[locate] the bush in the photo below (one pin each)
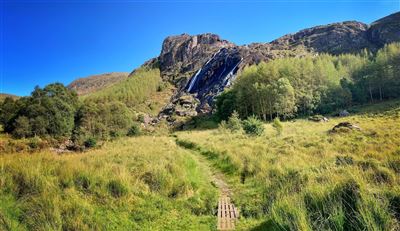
(253, 126)
(234, 122)
(134, 130)
(90, 142)
(277, 125)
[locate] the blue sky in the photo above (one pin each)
(59, 41)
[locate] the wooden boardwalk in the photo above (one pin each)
(227, 214)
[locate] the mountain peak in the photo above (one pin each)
(184, 53)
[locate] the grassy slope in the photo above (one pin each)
(143, 91)
(307, 178)
(304, 179)
(129, 184)
(96, 83)
(4, 95)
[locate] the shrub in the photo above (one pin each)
(90, 142)
(253, 126)
(82, 181)
(277, 125)
(134, 130)
(382, 175)
(234, 122)
(394, 204)
(116, 188)
(22, 127)
(162, 86)
(36, 143)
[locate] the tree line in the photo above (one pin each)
(56, 112)
(324, 83)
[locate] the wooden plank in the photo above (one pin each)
(226, 214)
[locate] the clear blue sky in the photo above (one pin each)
(48, 41)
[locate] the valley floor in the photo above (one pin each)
(306, 178)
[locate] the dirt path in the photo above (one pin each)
(227, 212)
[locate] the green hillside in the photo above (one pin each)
(142, 91)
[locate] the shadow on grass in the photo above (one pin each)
(198, 123)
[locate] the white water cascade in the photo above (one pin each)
(193, 80)
(227, 78)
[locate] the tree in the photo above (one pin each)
(8, 111)
(285, 104)
(225, 104)
(234, 122)
(48, 111)
(101, 120)
(22, 127)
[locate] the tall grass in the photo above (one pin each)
(310, 179)
(130, 184)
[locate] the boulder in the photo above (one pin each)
(345, 126)
(318, 118)
(344, 113)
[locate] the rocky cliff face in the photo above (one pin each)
(203, 65)
(336, 38)
(181, 55)
(385, 30)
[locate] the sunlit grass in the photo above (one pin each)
(305, 177)
(144, 183)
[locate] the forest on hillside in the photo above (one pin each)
(289, 87)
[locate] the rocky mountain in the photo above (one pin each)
(385, 30)
(94, 83)
(202, 66)
(213, 63)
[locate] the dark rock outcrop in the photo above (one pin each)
(385, 30)
(216, 74)
(183, 54)
(336, 38)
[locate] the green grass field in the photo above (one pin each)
(308, 178)
(305, 178)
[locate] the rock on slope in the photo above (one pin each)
(94, 83)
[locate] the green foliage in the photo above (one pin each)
(277, 125)
(234, 122)
(291, 86)
(117, 188)
(90, 142)
(102, 121)
(22, 128)
(134, 90)
(48, 111)
(225, 104)
(134, 130)
(253, 126)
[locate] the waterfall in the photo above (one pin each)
(194, 78)
(230, 74)
(193, 81)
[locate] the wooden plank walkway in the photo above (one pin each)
(227, 214)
